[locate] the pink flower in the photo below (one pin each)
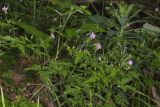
(92, 35)
(98, 46)
(130, 62)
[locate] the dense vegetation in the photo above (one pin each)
(65, 53)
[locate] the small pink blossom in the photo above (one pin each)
(92, 35)
(98, 46)
(130, 62)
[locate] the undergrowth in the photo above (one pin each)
(59, 54)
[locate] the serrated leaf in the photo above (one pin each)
(80, 56)
(113, 72)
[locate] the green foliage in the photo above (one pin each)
(76, 59)
(32, 30)
(151, 27)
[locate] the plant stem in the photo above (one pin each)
(93, 7)
(90, 103)
(58, 45)
(69, 15)
(34, 10)
(57, 52)
(2, 97)
(38, 102)
(121, 32)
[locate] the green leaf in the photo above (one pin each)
(34, 68)
(8, 38)
(128, 87)
(92, 79)
(123, 20)
(82, 9)
(109, 105)
(91, 27)
(125, 81)
(59, 67)
(71, 32)
(80, 56)
(3, 24)
(150, 27)
(156, 61)
(114, 72)
(22, 48)
(97, 18)
(54, 2)
(32, 30)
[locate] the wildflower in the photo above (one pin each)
(98, 46)
(5, 9)
(55, 19)
(107, 7)
(92, 35)
(111, 64)
(52, 35)
(156, 9)
(128, 25)
(130, 62)
(118, 86)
